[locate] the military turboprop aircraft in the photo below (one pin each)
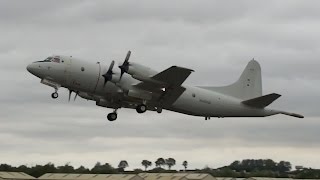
(136, 86)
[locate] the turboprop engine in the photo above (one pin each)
(140, 72)
(137, 71)
(111, 75)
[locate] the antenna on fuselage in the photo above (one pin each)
(70, 92)
(75, 96)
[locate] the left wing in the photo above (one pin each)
(173, 76)
(167, 84)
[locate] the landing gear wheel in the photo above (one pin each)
(54, 95)
(141, 108)
(112, 116)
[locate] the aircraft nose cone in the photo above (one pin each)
(35, 69)
(29, 68)
(32, 69)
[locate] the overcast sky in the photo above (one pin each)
(215, 38)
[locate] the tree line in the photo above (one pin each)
(244, 168)
(159, 163)
(99, 168)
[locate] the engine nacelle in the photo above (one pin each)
(138, 70)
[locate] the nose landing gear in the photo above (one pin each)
(53, 84)
(54, 95)
(112, 116)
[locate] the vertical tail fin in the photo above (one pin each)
(248, 86)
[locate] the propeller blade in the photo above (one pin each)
(111, 66)
(108, 75)
(125, 66)
(122, 72)
(127, 57)
(105, 79)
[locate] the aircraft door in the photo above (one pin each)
(67, 72)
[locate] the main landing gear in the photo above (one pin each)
(159, 110)
(112, 116)
(141, 108)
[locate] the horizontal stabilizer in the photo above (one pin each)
(262, 101)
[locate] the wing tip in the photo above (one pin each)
(191, 70)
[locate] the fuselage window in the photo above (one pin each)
(82, 68)
(193, 95)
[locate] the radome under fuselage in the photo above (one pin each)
(85, 78)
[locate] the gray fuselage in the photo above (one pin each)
(85, 78)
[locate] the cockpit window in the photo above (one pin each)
(51, 59)
(56, 59)
(47, 60)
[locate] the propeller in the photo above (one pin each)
(125, 66)
(108, 75)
